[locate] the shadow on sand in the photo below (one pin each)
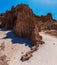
(3, 29)
(15, 39)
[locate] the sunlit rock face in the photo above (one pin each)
(26, 25)
(47, 22)
(9, 19)
(21, 12)
(2, 20)
(23, 22)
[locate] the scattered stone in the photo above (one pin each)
(25, 57)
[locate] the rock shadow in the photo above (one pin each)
(3, 29)
(15, 39)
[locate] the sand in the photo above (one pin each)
(45, 55)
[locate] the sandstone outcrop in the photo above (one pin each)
(25, 24)
(22, 20)
(47, 22)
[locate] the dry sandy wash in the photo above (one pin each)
(45, 55)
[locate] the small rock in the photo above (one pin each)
(25, 57)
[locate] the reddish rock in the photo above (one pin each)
(26, 26)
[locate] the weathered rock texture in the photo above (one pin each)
(22, 20)
(9, 19)
(47, 22)
(2, 20)
(25, 24)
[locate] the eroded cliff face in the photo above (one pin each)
(25, 24)
(47, 22)
(2, 20)
(10, 18)
(21, 19)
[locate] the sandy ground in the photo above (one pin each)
(45, 55)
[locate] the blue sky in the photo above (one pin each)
(39, 7)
